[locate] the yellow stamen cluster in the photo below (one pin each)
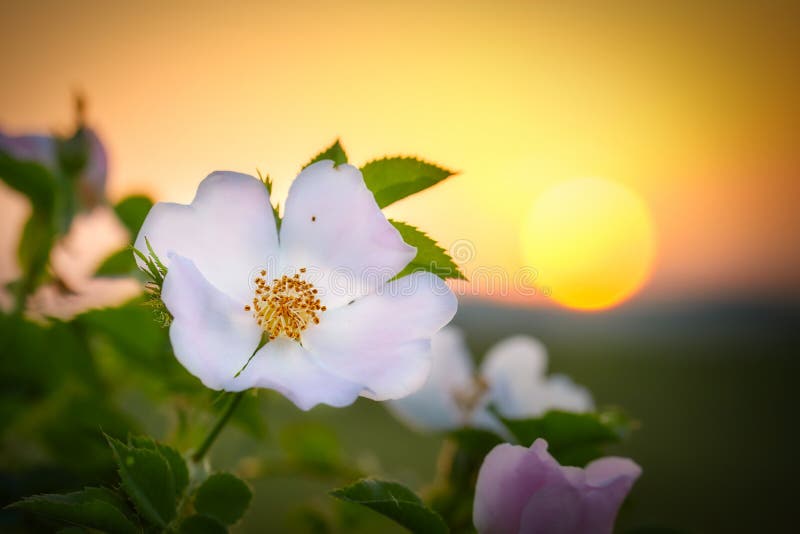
(285, 306)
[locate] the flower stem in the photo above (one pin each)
(220, 424)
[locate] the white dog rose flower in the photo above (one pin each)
(511, 378)
(320, 292)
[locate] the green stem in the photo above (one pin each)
(221, 422)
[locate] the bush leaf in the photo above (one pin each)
(148, 481)
(132, 210)
(177, 465)
(334, 152)
(394, 501)
(572, 438)
(96, 508)
(430, 256)
(120, 263)
(391, 179)
(223, 497)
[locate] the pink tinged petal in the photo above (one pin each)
(382, 341)
(285, 366)
(333, 226)
(525, 491)
(508, 478)
(211, 334)
(228, 231)
(608, 482)
(554, 509)
(514, 369)
(433, 407)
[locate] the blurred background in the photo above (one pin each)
(627, 192)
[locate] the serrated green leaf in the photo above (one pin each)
(177, 465)
(201, 524)
(132, 211)
(96, 508)
(391, 179)
(180, 471)
(120, 263)
(334, 152)
(572, 438)
(430, 256)
(148, 481)
(224, 497)
(394, 501)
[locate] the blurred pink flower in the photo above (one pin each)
(44, 150)
(523, 490)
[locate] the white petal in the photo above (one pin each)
(382, 341)
(333, 226)
(228, 231)
(564, 394)
(212, 336)
(433, 407)
(514, 369)
(285, 366)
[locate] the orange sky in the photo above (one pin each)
(694, 108)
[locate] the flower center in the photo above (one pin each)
(469, 398)
(286, 306)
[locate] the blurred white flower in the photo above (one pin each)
(319, 290)
(511, 378)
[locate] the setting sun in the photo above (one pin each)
(591, 241)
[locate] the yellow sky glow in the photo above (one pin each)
(692, 107)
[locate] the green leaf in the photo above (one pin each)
(96, 508)
(267, 181)
(120, 263)
(572, 438)
(201, 524)
(430, 256)
(32, 180)
(334, 152)
(223, 497)
(394, 501)
(476, 441)
(391, 179)
(148, 481)
(177, 465)
(132, 210)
